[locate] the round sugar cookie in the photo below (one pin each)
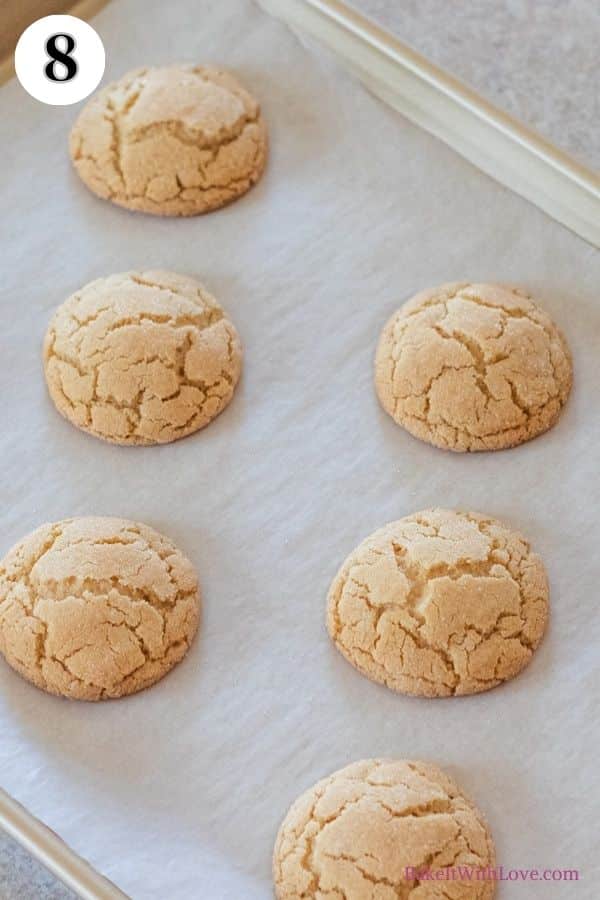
(94, 608)
(439, 603)
(366, 831)
(472, 367)
(141, 357)
(173, 141)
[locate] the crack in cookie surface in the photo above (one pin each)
(141, 358)
(354, 834)
(178, 141)
(473, 367)
(439, 603)
(94, 608)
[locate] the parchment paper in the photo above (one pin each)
(178, 792)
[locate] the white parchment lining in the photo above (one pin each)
(178, 792)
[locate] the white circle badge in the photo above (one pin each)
(59, 60)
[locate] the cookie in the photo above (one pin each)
(173, 141)
(94, 608)
(360, 832)
(472, 367)
(439, 603)
(141, 358)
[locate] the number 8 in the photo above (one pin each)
(60, 56)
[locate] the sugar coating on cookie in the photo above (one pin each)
(472, 367)
(94, 608)
(358, 833)
(174, 141)
(141, 357)
(439, 603)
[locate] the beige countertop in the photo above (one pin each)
(535, 59)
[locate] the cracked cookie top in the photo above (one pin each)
(357, 834)
(174, 141)
(93, 608)
(141, 357)
(439, 603)
(472, 367)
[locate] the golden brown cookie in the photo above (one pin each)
(439, 603)
(94, 608)
(358, 834)
(141, 357)
(174, 141)
(472, 367)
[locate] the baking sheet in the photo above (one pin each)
(489, 138)
(178, 792)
